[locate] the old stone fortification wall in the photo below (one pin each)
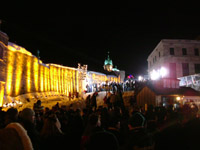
(24, 73)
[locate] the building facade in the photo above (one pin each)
(179, 58)
(21, 72)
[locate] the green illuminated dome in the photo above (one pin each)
(108, 65)
(108, 61)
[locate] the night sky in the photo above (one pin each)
(73, 35)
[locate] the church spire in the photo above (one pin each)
(108, 65)
(108, 58)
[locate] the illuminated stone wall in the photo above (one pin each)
(21, 73)
(96, 77)
(2, 84)
(24, 73)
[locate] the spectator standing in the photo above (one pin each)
(38, 108)
(88, 101)
(137, 136)
(27, 119)
(94, 100)
(11, 116)
(51, 134)
(14, 137)
(91, 128)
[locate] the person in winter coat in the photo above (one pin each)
(27, 120)
(51, 134)
(14, 137)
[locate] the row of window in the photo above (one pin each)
(184, 51)
(171, 50)
(155, 59)
(185, 69)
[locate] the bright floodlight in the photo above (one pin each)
(155, 75)
(178, 98)
(163, 71)
(140, 78)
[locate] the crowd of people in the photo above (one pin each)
(111, 126)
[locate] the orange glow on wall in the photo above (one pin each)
(48, 80)
(24, 73)
(16, 48)
(77, 79)
(36, 73)
(45, 79)
(74, 81)
(67, 82)
(9, 76)
(28, 71)
(71, 80)
(62, 80)
(51, 79)
(2, 84)
(55, 79)
(41, 79)
(18, 73)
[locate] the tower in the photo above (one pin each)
(108, 65)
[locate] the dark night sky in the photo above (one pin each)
(71, 35)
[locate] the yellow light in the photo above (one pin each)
(33, 76)
(74, 80)
(71, 80)
(16, 48)
(18, 72)
(9, 76)
(77, 77)
(48, 79)
(2, 84)
(67, 81)
(178, 98)
(59, 83)
(45, 79)
(51, 78)
(64, 81)
(35, 71)
(55, 79)
(41, 79)
(61, 80)
(93, 76)
(28, 71)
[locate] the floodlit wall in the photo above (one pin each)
(24, 73)
(96, 77)
(2, 84)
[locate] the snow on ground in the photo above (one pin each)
(50, 99)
